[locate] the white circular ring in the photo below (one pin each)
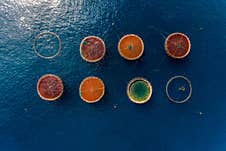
(190, 87)
(47, 57)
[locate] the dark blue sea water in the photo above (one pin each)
(29, 124)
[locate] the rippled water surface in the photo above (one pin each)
(28, 123)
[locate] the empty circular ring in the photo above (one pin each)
(190, 87)
(36, 41)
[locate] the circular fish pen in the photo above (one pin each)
(50, 87)
(92, 89)
(47, 45)
(131, 47)
(182, 89)
(92, 49)
(177, 45)
(139, 90)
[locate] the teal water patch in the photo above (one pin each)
(139, 90)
